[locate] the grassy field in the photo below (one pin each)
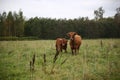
(96, 61)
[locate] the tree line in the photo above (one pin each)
(14, 24)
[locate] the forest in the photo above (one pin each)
(14, 24)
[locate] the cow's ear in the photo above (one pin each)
(68, 34)
(75, 33)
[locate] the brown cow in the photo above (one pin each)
(61, 43)
(75, 41)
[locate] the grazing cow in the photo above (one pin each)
(75, 41)
(61, 43)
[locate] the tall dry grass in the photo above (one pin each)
(97, 60)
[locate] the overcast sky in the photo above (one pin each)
(69, 9)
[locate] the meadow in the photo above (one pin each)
(98, 59)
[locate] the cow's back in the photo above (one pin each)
(77, 39)
(75, 44)
(58, 41)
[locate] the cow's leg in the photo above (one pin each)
(57, 49)
(78, 48)
(72, 51)
(65, 49)
(61, 49)
(75, 51)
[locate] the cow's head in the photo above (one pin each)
(71, 35)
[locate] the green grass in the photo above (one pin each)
(94, 61)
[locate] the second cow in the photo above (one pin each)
(61, 44)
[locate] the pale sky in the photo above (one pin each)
(68, 9)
